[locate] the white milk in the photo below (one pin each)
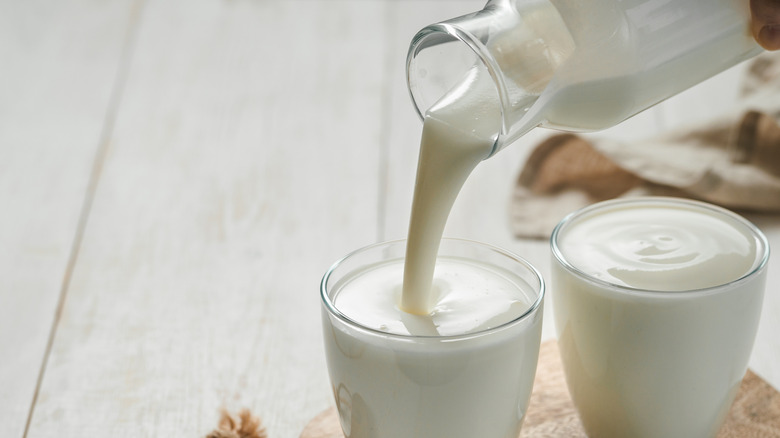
(662, 248)
(438, 382)
(653, 343)
(469, 297)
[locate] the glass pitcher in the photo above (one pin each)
(578, 65)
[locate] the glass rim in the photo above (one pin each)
(531, 310)
(757, 234)
(479, 50)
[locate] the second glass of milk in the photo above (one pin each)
(464, 370)
(656, 302)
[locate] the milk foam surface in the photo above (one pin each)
(469, 297)
(659, 248)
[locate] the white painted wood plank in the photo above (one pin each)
(243, 163)
(58, 66)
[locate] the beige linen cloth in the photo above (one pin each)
(732, 160)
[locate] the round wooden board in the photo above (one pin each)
(551, 414)
(324, 425)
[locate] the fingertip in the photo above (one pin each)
(769, 37)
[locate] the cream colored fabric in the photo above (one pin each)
(732, 160)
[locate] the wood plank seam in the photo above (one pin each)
(112, 109)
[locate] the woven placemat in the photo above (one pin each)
(754, 414)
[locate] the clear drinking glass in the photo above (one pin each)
(660, 362)
(471, 385)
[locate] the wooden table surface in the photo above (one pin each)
(176, 176)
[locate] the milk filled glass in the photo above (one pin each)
(465, 369)
(656, 303)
